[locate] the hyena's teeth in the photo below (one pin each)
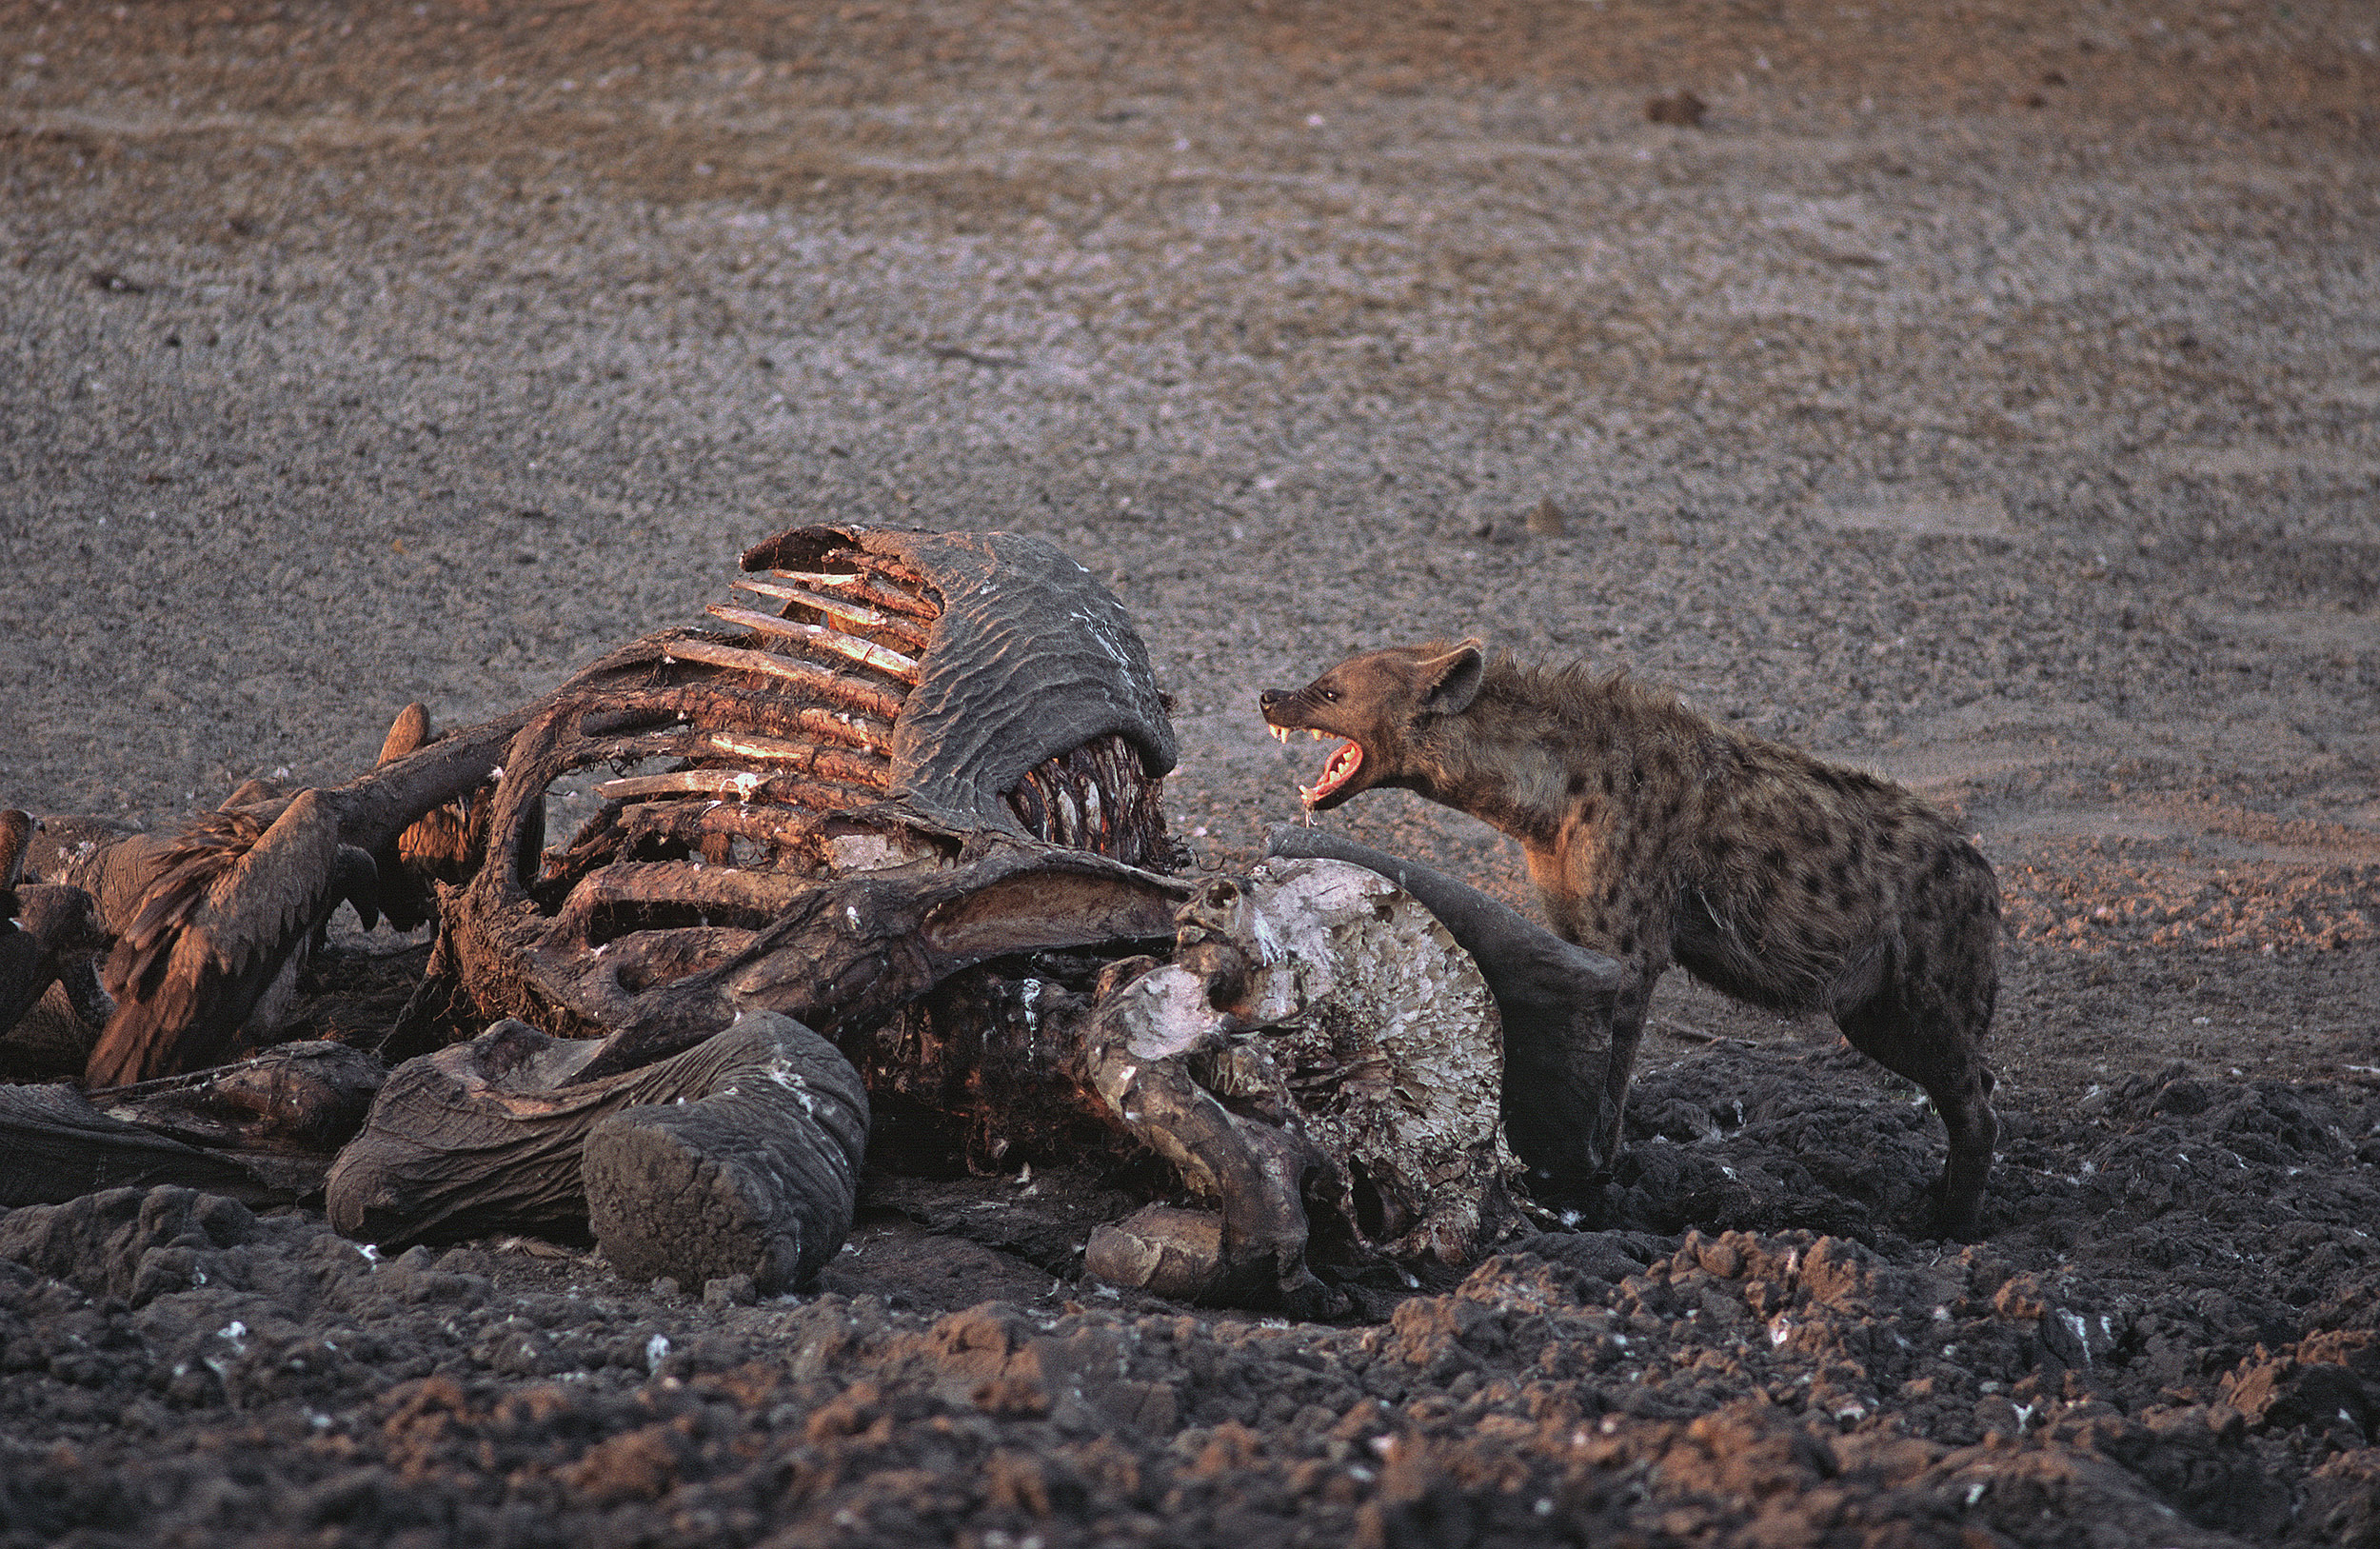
(1318, 736)
(1280, 734)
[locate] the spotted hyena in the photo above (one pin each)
(1658, 836)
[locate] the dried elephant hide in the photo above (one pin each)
(740, 1155)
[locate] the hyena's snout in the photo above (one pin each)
(1286, 710)
(1292, 709)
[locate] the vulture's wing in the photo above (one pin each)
(114, 864)
(408, 733)
(232, 901)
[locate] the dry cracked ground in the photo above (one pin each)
(1987, 395)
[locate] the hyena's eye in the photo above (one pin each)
(1330, 696)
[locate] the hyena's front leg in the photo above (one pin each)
(1642, 953)
(1627, 1032)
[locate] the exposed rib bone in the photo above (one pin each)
(775, 826)
(850, 612)
(837, 763)
(845, 729)
(791, 669)
(824, 637)
(737, 785)
(741, 898)
(834, 763)
(859, 583)
(790, 836)
(728, 785)
(718, 706)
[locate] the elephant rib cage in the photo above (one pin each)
(745, 763)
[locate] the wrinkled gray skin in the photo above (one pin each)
(1556, 1000)
(739, 1156)
(1031, 656)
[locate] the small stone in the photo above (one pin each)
(1466, 524)
(730, 1291)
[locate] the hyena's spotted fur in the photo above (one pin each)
(1658, 836)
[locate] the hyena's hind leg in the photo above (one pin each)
(1961, 1091)
(1926, 1019)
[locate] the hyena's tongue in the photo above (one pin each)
(1337, 770)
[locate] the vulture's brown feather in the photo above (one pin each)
(233, 900)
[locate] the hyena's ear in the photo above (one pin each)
(1450, 682)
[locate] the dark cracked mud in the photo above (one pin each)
(1982, 394)
(2171, 1336)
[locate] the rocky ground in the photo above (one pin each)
(1986, 396)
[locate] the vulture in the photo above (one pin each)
(49, 933)
(210, 924)
(236, 899)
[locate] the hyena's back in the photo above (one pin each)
(1807, 887)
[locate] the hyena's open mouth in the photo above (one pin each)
(1337, 770)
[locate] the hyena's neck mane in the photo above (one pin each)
(1537, 739)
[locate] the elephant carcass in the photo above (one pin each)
(932, 751)
(891, 697)
(919, 751)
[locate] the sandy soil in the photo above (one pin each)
(1988, 396)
